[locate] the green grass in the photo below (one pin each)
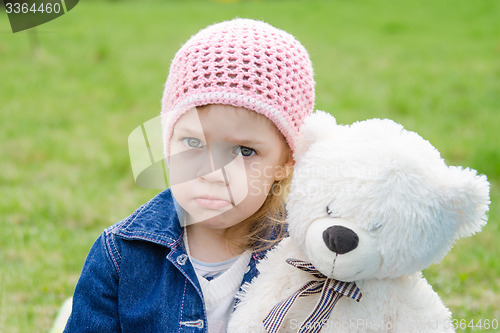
(68, 103)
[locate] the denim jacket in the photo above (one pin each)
(137, 277)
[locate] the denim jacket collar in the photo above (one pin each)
(155, 221)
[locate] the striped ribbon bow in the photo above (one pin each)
(331, 291)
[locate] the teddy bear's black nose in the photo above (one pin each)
(340, 239)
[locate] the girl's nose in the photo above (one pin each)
(216, 176)
(219, 156)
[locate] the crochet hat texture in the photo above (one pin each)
(243, 63)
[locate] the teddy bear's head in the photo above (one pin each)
(373, 200)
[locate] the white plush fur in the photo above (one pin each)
(390, 187)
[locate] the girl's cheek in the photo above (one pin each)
(255, 170)
(259, 188)
(237, 176)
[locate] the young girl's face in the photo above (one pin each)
(223, 161)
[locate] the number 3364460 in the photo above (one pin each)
(485, 324)
(25, 8)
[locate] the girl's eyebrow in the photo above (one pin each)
(189, 130)
(242, 141)
(247, 142)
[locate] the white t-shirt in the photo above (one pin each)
(219, 283)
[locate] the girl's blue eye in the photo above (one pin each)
(192, 142)
(244, 151)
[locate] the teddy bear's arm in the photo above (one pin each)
(420, 309)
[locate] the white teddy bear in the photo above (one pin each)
(371, 204)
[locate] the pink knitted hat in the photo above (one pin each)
(244, 63)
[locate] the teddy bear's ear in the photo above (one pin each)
(317, 125)
(468, 197)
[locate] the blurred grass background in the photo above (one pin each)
(73, 89)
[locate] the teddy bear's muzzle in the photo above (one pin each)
(340, 239)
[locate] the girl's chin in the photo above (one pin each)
(214, 221)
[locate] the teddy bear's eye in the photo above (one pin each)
(332, 212)
(376, 226)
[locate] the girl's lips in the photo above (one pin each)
(212, 203)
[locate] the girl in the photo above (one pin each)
(234, 100)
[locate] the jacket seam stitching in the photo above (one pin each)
(200, 291)
(116, 249)
(110, 252)
(182, 304)
(154, 240)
